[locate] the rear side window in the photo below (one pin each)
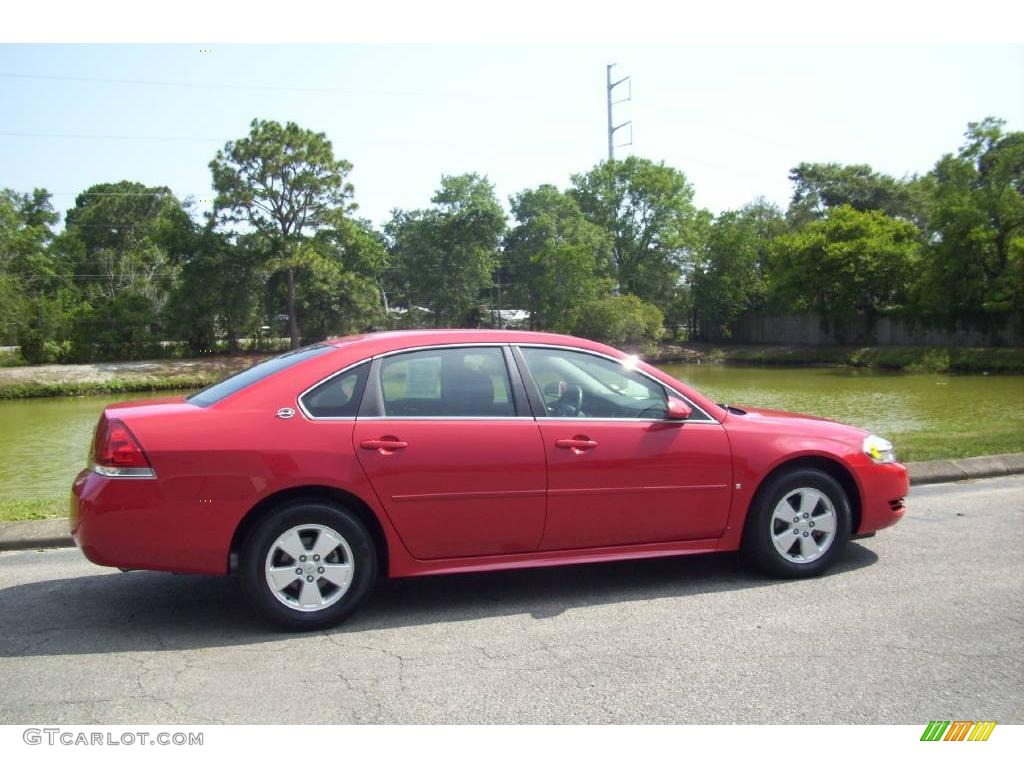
(338, 397)
(463, 381)
(249, 376)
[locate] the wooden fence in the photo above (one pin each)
(764, 328)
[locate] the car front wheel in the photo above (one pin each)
(308, 565)
(799, 524)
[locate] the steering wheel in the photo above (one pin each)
(571, 401)
(652, 411)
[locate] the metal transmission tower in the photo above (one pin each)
(612, 128)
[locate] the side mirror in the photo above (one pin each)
(677, 410)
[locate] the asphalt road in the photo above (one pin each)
(922, 622)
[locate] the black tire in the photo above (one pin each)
(760, 528)
(264, 537)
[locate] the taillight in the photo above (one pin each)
(117, 453)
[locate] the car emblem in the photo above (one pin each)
(285, 413)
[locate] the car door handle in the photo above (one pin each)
(384, 444)
(577, 444)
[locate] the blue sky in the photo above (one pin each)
(734, 118)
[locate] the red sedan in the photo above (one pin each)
(422, 452)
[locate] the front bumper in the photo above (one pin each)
(883, 487)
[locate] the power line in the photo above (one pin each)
(120, 137)
(114, 194)
(104, 136)
(238, 86)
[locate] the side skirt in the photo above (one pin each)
(553, 558)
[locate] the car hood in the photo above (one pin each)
(786, 421)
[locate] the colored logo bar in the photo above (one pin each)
(958, 730)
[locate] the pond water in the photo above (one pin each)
(44, 441)
(925, 415)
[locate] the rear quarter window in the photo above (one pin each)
(339, 396)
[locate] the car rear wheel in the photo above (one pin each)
(308, 565)
(798, 525)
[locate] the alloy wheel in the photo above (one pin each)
(309, 567)
(803, 525)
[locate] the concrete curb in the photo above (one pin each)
(952, 470)
(45, 534)
(36, 534)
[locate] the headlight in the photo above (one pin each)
(879, 449)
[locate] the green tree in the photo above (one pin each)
(285, 182)
(848, 264)
(974, 272)
(621, 321)
(731, 278)
(820, 187)
(656, 230)
(121, 245)
(555, 259)
(444, 257)
(118, 329)
(27, 271)
(341, 289)
(124, 237)
(218, 290)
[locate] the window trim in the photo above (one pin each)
(537, 401)
(530, 390)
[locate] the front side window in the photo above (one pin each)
(577, 384)
(337, 397)
(460, 381)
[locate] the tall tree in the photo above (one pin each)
(218, 290)
(731, 279)
(848, 264)
(974, 272)
(446, 255)
(28, 279)
(656, 230)
(340, 292)
(26, 229)
(285, 182)
(819, 187)
(556, 260)
(124, 237)
(121, 245)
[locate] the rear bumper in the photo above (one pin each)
(883, 490)
(128, 523)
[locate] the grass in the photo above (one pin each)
(923, 446)
(9, 359)
(33, 509)
(907, 359)
(22, 389)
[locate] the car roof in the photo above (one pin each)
(386, 340)
(353, 349)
